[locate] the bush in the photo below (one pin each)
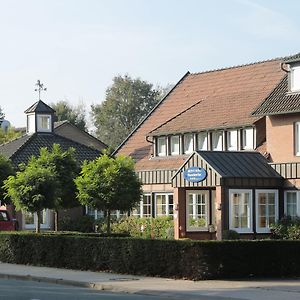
(159, 227)
(81, 224)
(166, 258)
(286, 229)
(230, 235)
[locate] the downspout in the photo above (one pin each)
(152, 148)
(282, 67)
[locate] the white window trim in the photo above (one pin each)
(192, 229)
(175, 152)
(206, 140)
(186, 151)
(228, 133)
(297, 138)
(241, 230)
(262, 229)
(39, 125)
(292, 71)
(165, 140)
(297, 201)
(244, 146)
(167, 204)
(221, 135)
(33, 225)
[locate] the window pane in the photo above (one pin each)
(202, 141)
(295, 79)
(175, 145)
(240, 210)
(188, 143)
(248, 138)
(217, 141)
(266, 209)
(161, 146)
(170, 204)
(291, 204)
(232, 140)
(197, 216)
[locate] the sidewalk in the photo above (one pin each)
(175, 289)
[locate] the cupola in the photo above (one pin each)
(40, 118)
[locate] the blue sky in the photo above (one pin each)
(76, 47)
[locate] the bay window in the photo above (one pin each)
(202, 141)
(240, 210)
(188, 143)
(266, 209)
(197, 210)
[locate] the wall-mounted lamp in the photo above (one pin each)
(219, 206)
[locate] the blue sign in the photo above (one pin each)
(195, 174)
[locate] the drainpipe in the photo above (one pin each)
(282, 67)
(152, 148)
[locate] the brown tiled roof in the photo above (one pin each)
(280, 101)
(226, 98)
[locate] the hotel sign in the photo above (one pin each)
(195, 174)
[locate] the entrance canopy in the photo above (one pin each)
(213, 168)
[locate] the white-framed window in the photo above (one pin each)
(295, 78)
(30, 219)
(96, 214)
(297, 138)
(240, 210)
(162, 146)
(232, 140)
(197, 210)
(188, 143)
(31, 123)
(163, 204)
(44, 123)
(248, 138)
(266, 209)
(291, 204)
(217, 140)
(144, 209)
(202, 141)
(175, 145)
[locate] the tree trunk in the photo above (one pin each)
(108, 221)
(56, 220)
(38, 223)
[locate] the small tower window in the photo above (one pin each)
(44, 123)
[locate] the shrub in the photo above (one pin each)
(159, 227)
(166, 258)
(286, 229)
(81, 224)
(230, 235)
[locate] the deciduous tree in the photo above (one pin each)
(109, 184)
(6, 169)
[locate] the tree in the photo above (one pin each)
(76, 115)
(127, 102)
(9, 135)
(2, 115)
(66, 169)
(109, 184)
(32, 189)
(6, 169)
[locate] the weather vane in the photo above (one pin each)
(40, 87)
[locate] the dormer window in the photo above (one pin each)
(217, 140)
(161, 146)
(44, 123)
(248, 139)
(174, 140)
(232, 140)
(295, 78)
(202, 141)
(188, 143)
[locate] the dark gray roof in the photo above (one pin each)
(39, 107)
(280, 101)
(292, 58)
(239, 164)
(21, 149)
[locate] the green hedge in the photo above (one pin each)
(179, 259)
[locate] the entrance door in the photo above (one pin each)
(197, 210)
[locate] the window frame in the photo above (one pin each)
(244, 139)
(297, 138)
(297, 202)
(185, 151)
(221, 135)
(171, 139)
(228, 138)
(139, 210)
(207, 210)
(293, 68)
(205, 140)
(158, 139)
(249, 229)
(258, 191)
(45, 225)
(167, 204)
(40, 122)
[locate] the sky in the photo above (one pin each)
(76, 47)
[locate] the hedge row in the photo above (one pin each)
(179, 259)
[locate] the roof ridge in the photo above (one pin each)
(241, 65)
(176, 116)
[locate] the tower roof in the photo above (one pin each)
(39, 107)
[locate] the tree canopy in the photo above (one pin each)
(6, 169)
(109, 184)
(2, 115)
(32, 189)
(76, 115)
(9, 135)
(127, 102)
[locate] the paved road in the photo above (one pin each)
(30, 290)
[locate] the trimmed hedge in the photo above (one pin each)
(166, 258)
